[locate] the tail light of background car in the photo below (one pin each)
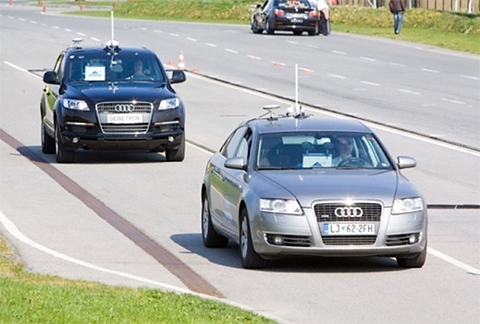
(279, 12)
(313, 14)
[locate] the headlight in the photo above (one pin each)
(407, 205)
(169, 104)
(280, 206)
(75, 104)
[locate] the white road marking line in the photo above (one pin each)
(453, 101)
(23, 19)
(158, 31)
(191, 39)
(254, 57)
(81, 34)
(67, 30)
(430, 70)
(396, 64)
(409, 91)
(95, 39)
(338, 52)
(469, 77)
(172, 34)
(20, 69)
(231, 51)
(314, 47)
(336, 76)
(210, 44)
(292, 42)
(55, 27)
(368, 58)
(12, 229)
(33, 22)
(453, 261)
(370, 83)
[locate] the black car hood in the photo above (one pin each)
(120, 91)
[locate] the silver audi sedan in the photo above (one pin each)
(299, 185)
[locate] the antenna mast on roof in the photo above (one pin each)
(112, 42)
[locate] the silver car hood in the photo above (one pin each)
(311, 185)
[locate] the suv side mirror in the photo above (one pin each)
(178, 76)
(50, 77)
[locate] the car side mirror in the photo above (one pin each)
(237, 163)
(404, 162)
(178, 76)
(50, 77)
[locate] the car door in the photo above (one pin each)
(52, 92)
(226, 185)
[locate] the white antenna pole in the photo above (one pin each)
(111, 18)
(296, 89)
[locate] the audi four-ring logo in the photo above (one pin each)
(348, 212)
(124, 108)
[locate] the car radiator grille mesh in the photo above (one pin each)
(349, 240)
(332, 212)
(371, 212)
(144, 109)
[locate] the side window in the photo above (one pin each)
(59, 67)
(245, 145)
(230, 147)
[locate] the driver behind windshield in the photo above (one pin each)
(344, 147)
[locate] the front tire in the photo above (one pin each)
(48, 143)
(417, 261)
(63, 155)
(250, 258)
(210, 237)
(177, 154)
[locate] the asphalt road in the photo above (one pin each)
(414, 88)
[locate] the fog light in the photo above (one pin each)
(171, 139)
(412, 239)
(75, 140)
(278, 240)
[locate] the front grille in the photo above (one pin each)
(325, 212)
(138, 107)
(290, 240)
(349, 240)
(144, 109)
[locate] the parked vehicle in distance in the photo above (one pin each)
(111, 97)
(297, 16)
(300, 185)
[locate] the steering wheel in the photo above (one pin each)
(353, 162)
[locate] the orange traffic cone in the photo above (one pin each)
(181, 63)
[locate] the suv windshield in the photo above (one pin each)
(320, 150)
(100, 67)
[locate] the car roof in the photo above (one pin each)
(98, 49)
(306, 123)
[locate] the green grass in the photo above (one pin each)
(31, 298)
(455, 31)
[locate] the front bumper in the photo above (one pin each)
(302, 235)
(88, 136)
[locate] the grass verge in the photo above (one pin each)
(455, 31)
(33, 298)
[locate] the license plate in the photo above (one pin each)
(124, 118)
(296, 20)
(348, 229)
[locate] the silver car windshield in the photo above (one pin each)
(102, 67)
(320, 150)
